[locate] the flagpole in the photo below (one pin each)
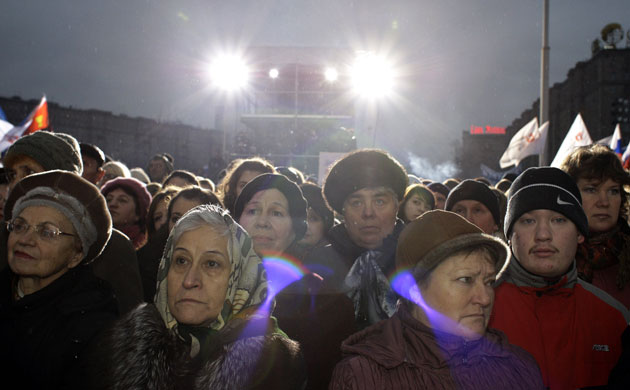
(544, 76)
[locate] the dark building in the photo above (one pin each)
(130, 140)
(598, 89)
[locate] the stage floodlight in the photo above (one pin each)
(331, 74)
(229, 72)
(372, 75)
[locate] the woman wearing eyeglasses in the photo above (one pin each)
(51, 305)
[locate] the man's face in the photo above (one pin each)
(545, 242)
(370, 216)
(157, 170)
(92, 172)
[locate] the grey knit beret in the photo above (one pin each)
(51, 151)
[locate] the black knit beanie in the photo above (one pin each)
(297, 203)
(474, 190)
(545, 188)
(362, 169)
(51, 151)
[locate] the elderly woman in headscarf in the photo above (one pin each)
(211, 325)
(51, 305)
(438, 337)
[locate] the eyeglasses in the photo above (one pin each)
(46, 231)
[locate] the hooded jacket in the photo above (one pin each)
(572, 328)
(402, 353)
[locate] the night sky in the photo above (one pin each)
(464, 62)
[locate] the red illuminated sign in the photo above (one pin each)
(487, 130)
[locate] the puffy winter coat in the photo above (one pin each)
(402, 353)
(572, 328)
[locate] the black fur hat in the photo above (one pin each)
(361, 169)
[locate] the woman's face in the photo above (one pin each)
(245, 178)
(160, 214)
(415, 207)
(122, 208)
(459, 295)
(601, 201)
(197, 280)
(314, 230)
(41, 260)
(266, 218)
(180, 207)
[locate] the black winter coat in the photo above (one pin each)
(45, 335)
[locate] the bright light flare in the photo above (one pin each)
(274, 73)
(229, 72)
(372, 75)
(331, 74)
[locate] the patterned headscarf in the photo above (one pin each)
(247, 284)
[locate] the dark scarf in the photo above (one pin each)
(603, 250)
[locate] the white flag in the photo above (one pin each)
(615, 141)
(529, 140)
(13, 135)
(577, 136)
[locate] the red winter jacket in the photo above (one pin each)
(572, 328)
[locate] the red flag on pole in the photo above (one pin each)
(38, 117)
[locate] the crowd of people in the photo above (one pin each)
(155, 278)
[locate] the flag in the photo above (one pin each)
(577, 136)
(13, 135)
(38, 117)
(625, 159)
(615, 141)
(36, 120)
(529, 140)
(3, 116)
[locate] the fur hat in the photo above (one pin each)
(428, 240)
(77, 199)
(545, 188)
(474, 190)
(133, 186)
(51, 151)
(362, 169)
(297, 203)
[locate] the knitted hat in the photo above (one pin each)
(315, 200)
(133, 186)
(77, 199)
(474, 190)
(51, 151)
(545, 188)
(430, 239)
(362, 169)
(297, 203)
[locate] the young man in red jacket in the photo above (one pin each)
(572, 328)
